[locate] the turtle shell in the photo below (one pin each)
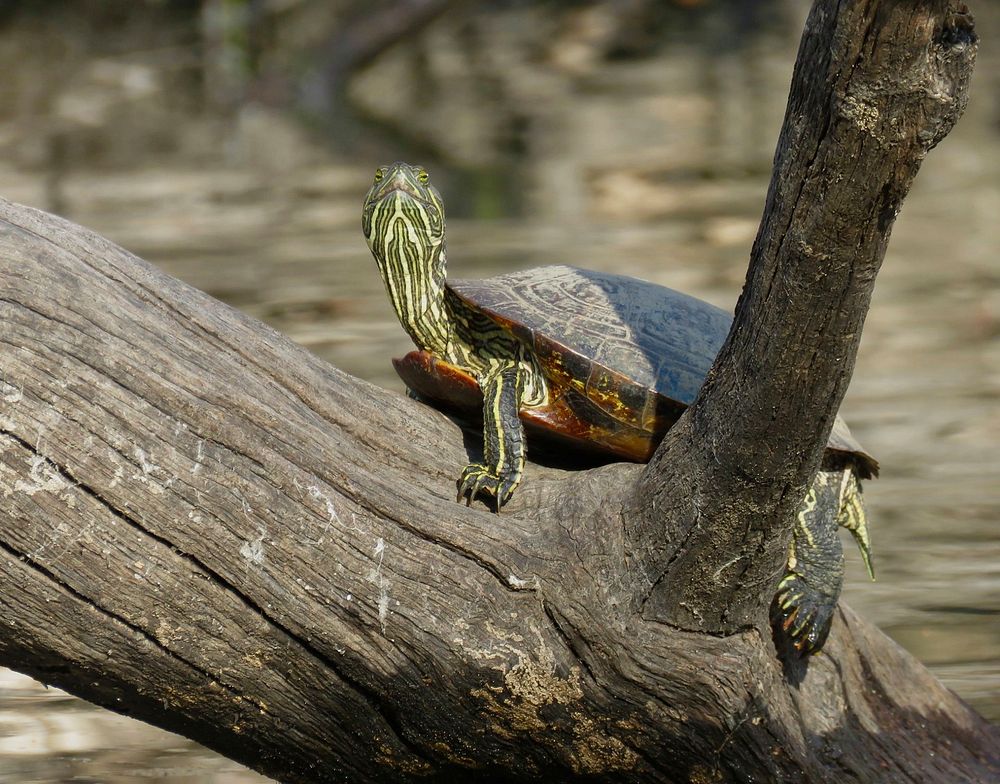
(622, 357)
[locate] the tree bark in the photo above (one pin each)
(208, 528)
(877, 84)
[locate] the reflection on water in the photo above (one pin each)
(657, 169)
(48, 736)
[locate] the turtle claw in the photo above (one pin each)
(478, 478)
(507, 490)
(803, 613)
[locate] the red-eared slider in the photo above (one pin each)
(596, 361)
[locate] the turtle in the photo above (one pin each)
(595, 362)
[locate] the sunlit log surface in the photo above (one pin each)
(208, 528)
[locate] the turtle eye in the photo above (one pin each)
(379, 174)
(423, 177)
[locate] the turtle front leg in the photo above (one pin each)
(807, 594)
(503, 437)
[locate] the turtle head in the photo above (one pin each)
(403, 221)
(403, 218)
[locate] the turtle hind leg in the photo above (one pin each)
(807, 594)
(503, 437)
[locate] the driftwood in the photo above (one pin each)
(208, 528)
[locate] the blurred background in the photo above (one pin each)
(231, 142)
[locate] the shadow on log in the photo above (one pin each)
(206, 527)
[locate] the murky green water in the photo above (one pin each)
(655, 168)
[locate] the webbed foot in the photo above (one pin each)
(803, 612)
(478, 478)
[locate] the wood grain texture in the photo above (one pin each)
(877, 84)
(204, 526)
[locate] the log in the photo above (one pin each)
(208, 528)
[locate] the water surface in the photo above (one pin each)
(655, 168)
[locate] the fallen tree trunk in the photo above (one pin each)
(208, 528)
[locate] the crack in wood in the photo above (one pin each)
(501, 575)
(572, 647)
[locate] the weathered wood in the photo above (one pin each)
(877, 84)
(206, 527)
